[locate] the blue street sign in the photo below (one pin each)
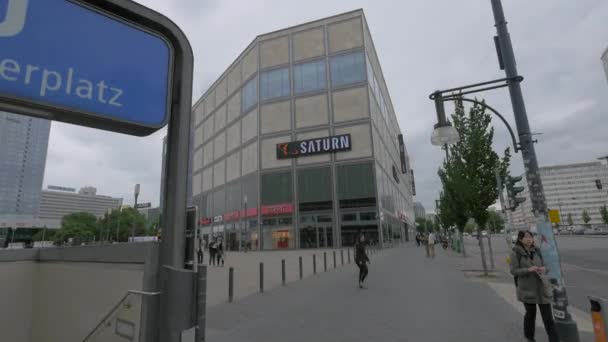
(81, 65)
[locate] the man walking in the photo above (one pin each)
(361, 259)
(431, 243)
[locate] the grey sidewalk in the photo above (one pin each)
(409, 298)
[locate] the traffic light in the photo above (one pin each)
(512, 192)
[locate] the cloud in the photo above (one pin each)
(423, 45)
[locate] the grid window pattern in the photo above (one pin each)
(347, 69)
(309, 77)
(274, 83)
(250, 94)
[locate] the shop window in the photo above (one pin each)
(356, 185)
(315, 189)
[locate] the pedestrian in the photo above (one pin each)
(361, 260)
(199, 254)
(220, 253)
(418, 239)
(431, 242)
(528, 269)
(212, 252)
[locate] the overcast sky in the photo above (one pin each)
(423, 45)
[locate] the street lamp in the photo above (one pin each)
(567, 328)
(136, 193)
(444, 133)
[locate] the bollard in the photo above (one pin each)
(342, 256)
(334, 259)
(325, 261)
(599, 319)
(261, 277)
(301, 273)
(314, 264)
(230, 284)
(348, 252)
(283, 272)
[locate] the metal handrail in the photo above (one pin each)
(130, 292)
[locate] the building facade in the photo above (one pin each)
(56, 202)
(419, 210)
(296, 144)
(23, 147)
(571, 189)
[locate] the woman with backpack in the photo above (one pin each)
(528, 269)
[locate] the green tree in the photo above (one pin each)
(48, 235)
(495, 221)
(80, 227)
(470, 227)
(570, 220)
(586, 217)
(468, 175)
(604, 214)
(123, 220)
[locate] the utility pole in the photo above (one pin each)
(134, 207)
(566, 326)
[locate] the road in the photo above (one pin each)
(584, 264)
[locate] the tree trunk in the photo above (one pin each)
(483, 255)
(464, 253)
(490, 251)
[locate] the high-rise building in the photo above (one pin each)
(297, 145)
(419, 210)
(23, 147)
(571, 189)
(56, 202)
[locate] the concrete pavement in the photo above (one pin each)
(409, 298)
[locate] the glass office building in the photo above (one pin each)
(297, 144)
(23, 146)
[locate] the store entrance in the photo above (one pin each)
(316, 231)
(350, 234)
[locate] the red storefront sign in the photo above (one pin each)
(277, 209)
(235, 215)
(251, 212)
(205, 221)
(402, 217)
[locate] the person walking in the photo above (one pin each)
(199, 252)
(220, 253)
(528, 269)
(431, 241)
(418, 239)
(212, 252)
(361, 260)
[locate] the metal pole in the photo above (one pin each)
(301, 270)
(283, 272)
(314, 264)
(118, 225)
(342, 256)
(230, 284)
(261, 277)
(325, 261)
(201, 303)
(348, 252)
(334, 259)
(566, 326)
(134, 207)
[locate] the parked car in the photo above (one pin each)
(484, 233)
(578, 231)
(465, 234)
